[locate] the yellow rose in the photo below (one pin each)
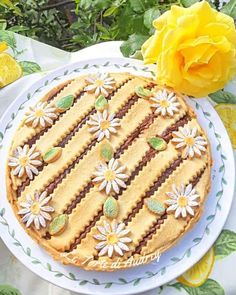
(194, 49)
(3, 46)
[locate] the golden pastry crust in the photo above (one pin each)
(150, 173)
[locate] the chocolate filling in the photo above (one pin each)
(150, 233)
(85, 232)
(33, 139)
(160, 221)
(161, 179)
(139, 130)
(80, 196)
(167, 134)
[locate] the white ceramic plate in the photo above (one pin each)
(172, 263)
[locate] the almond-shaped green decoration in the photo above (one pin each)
(58, 225)
(110, 208)
(64, 103)
(142, 92)
(155, 206)
(106, 152)
(157, 143)
(101, 103)
(52, 154)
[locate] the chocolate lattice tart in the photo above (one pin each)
(108, 171)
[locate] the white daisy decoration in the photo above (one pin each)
(165, 103)
(111, 176)
(103, 124)
(112, 238)
(182, 200)
(25, 161)
(100, 84)
(36, 210)
(41, 114)
(188, 138)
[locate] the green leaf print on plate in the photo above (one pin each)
(210, 287)
(225, 244)
(8, 290)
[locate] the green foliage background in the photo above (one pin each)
(72, 25)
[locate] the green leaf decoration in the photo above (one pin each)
(58, 224)
(155, 206)
(209, 287)
(9, 290)
(64, 103)
(110, 208)
(223, 96)
(230, 8)
(52, 154)
(157, 143)
(225, 244)
(142, 92)
(149, 16)
(101, 103)
(29, 67)
(9, 38)
(134, 43)
(106, 152)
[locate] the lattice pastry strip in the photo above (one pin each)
(158, 241)
(26, 132)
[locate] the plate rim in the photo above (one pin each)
(134, 63)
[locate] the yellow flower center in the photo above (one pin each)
(99, 82)
(39, 113)
(164, 103)
(104, 125)
(109, 175)
(35, 208)
(189, 141)
(23, 161)
(112, 238)
(182, 201)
